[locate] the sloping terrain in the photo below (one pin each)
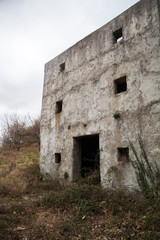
(31, 208)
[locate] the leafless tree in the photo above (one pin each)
(33, 131)
(13, 130)
(18, 130)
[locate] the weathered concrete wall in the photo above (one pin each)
(86, 87)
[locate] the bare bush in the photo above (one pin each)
(33, 131)
(13, 131)
(18, 130)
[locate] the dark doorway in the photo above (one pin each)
(86, 156)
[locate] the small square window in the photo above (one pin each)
(62, 67)
(118, 35)
(57, 157)
(58, 106)
(123, 154)
(120, 85)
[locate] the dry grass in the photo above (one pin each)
(32, 209)
(19, 170)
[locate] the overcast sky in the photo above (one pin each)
(32, 32)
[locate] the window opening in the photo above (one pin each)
(123, 154)
(118, 35)
(57, 157)
(120, 85)
(62, 67)
(59, 106)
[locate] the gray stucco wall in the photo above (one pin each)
(87, 90)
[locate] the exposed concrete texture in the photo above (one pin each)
(86, 88)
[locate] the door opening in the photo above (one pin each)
(86, 156)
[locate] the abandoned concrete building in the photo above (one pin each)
(99, 95)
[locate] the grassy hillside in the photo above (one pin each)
(33, 209)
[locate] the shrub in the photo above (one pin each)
(147, 172)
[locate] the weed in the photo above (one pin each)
(147, 172)
(66, 175)
(92, 179)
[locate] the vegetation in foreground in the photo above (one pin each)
(32, 209)
(147, 172)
